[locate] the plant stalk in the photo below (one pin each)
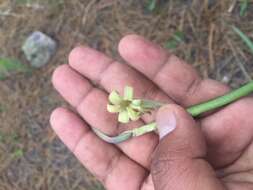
(194, 111)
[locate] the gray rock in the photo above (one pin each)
(39, 48)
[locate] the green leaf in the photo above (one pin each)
(151, 5)
(175, 40)
(244, 38)
(18, 153)
(179, 36)
(243, 7)
(171, 44)
(8, 66)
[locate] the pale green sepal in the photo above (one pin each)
(128, 93)
(136, 102)
(138, 108)
(114, 97)
(113, 108)
(123, 117)
(150, 104)
(133, 114)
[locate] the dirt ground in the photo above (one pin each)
(31, 156)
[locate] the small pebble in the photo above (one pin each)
(39, 49)
(226, 79)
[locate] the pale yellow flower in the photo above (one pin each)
(127, 107)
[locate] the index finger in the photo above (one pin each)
(178, 79)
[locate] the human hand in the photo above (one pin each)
(213, 152)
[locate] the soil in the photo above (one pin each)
(31, 156)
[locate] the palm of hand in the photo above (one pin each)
(154, 75)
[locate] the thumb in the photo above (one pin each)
(178, 161)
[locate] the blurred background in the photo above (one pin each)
(213, 35)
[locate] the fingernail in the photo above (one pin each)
(166, 123)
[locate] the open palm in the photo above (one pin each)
(157, 75)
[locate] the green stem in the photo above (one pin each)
(221, 101)
(198, 109)
(195, 111)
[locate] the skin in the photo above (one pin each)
(213, 152)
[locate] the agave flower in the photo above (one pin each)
(127, 107)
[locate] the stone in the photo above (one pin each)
(225, 79)
(39, 49)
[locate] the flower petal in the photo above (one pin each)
(136, 102)
(133, 114)
(128, 93)
(115, 98)
(123, 117)
(113, 108)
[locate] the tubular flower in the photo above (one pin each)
(127, 107)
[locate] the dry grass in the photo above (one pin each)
(30, 154)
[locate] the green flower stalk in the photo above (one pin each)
(132, 109)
